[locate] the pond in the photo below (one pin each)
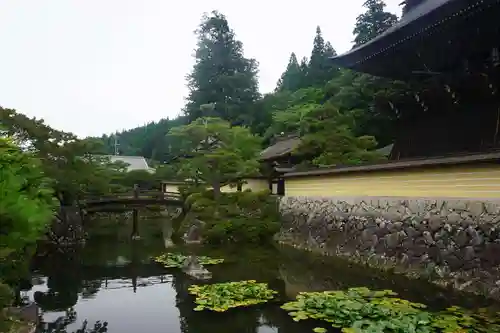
(117, 283)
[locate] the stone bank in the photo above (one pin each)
(452, 242)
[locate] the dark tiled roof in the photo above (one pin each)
(423, 18)
(280, 148)
(403, 164)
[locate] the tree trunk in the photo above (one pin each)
(216, 189)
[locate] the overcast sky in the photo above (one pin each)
(96, 66)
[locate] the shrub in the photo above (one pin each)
(238, 217)
(187, 190)
(6, 295)
(193, 197)
(6, 298)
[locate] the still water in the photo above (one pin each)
(116, 283)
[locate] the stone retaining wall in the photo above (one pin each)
(452, 242)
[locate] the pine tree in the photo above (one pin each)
(329, 50)
(293, 77)
(373, 22)
(410, 4)
(223, 82)
(320, 68)
(304, 65)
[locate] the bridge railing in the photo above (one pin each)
(138, 194)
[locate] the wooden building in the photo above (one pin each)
(277, 159)
(469, 176)
(447, 51)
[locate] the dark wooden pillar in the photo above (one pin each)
(134, 263)
(135, 215)
(281, 186)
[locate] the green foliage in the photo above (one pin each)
(6, 297)
(239, 217)
(329, 139)
(320, 68)
(148, 140)
(239, 230)
(293, 77)
(176, 260)
(223, 84)
(360, 310)
(169, 172)
(26, 207)
(328, 135)
(218, 153)
(368, 99)
(143, 178)
(373, 22)
(70, 163)
(222, 78)
(289, 110)
(221, 297)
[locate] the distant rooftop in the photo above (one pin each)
(134, 162)
(281, 148)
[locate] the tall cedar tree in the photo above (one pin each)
(293, 77)
(222, 77)
(373, 22)
(320, 68)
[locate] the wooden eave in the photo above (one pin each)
(427, 33)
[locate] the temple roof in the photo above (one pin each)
(279, 149)
(394, 52)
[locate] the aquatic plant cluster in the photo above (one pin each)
(221, 297)
(355, 310)
(176, 260)
(363, 310)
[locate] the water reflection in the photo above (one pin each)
(60, 324)
(114, 287)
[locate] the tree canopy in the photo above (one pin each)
(74, 166)
(26, 202)
(222, 78)
(26, 209)
(216, 152)
(373, 22)
(223, 84)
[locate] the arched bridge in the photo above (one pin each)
(131, 200)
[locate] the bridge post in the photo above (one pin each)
(135, 216)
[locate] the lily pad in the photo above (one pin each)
(360, 310)
(221, 297)
(176, 260)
